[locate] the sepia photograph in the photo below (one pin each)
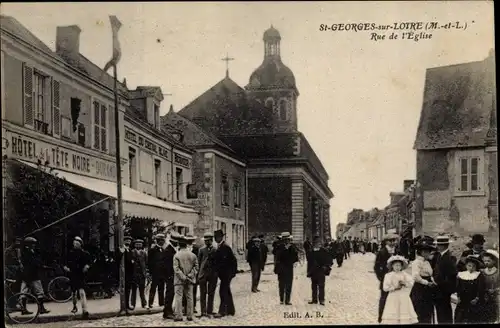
(249, 163)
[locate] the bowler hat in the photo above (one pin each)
(424, 243)
(476, 259)
(478, 239)
(219, 233)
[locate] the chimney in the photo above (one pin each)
(68, 42)
(407, 184)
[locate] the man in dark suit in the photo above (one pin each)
(318, 267)
(445, 276)
(171, 250)
(207, 276)
(129, 267)
(388, 249)
(476, 248)
(286, 257)
(254, 259)
(157, 263)
(263, 250)
(226, 266)
(139, 262)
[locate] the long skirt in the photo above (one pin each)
(421, 297)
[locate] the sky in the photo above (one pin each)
(360, 99)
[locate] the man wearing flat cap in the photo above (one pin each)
(477, 243)
(226, 266)
(126, 251)
(158, 259)
(207, 275)
(388, 249)
(445, 275)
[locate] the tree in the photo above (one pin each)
(36, 198)
(144, 228)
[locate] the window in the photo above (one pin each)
(158, 177)
(225, 190)
(39, 102)
(100, 125)
(132, 164)
(469, 172)
(178, 183)
(283, 110)
(237, 194)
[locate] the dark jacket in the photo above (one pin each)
(160, 262)
(77, 260)
(32, 265)
(263, 255)
(445, 274)
(225, 262)
(254, 254)
(380, 266)
(206, 262)
(140, 258)
(286, 257)
(319, 263)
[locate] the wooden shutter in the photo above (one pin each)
(111, 129)
(56, 109)
(104, 126)
(28, 90)
(95, 127)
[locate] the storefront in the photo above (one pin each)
(95, 173)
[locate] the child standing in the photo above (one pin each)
(77, 267)
(490, 309)
(470, 292)
(398, 308)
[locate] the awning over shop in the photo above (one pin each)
(135, 203)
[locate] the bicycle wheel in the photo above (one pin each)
(59, 289)
(19, 311)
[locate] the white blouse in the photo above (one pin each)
(421, 268)
(392, 280)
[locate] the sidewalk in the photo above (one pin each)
(108, 308)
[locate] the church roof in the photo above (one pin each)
(458, 103)
(226, 88)
(194, 135)
(271, 33)
(272, 74)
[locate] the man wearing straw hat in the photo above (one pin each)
(158, 258)
(388, 249)
(445, 275)
(171, 250)
(207, 276)
(226, 266)
(186, 270)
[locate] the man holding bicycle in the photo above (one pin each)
(30, 266)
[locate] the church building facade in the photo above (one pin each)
(287, 183)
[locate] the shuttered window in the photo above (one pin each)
(28, 91)
(470, 172)
(56, 109)
(99, 126)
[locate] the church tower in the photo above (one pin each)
(272, 85)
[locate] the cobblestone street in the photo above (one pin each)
(352, 296)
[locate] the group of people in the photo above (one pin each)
(436, 277)
(177, 268)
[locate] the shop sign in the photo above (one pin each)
(31, 150)
(181, 160)
(146, 144)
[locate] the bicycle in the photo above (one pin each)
(16, 305)
(59, 288)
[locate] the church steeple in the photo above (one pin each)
(272, 40)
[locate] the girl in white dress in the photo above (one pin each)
(398, 308)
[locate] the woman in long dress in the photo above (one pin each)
(398, 308)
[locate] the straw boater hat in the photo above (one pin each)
(208, 235)
(396, 258)
(390, 236)
(174, 236)
(29, 240)
(127, 238)
(442, 240)
(255, 238)
(138, 241)
(476, 259)
(78, 239)
(190, 238)
(160, 236)
(491, 253)
(286, 235)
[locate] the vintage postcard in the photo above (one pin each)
(249, 163)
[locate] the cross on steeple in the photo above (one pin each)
(227, 59)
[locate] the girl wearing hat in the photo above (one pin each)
(490, 310)
(423, 289)
(470, 292)
(398, 307)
